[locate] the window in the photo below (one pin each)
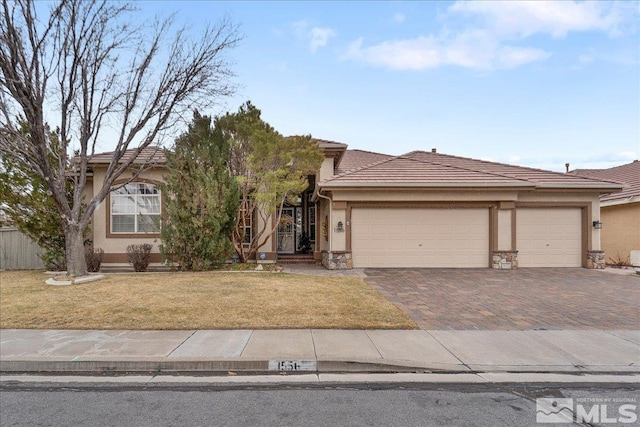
(312, 223)
(246, 224)
(135, 208)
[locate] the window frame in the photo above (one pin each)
(312, 224)
(137, 234)
(247, 225)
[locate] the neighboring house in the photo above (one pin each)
(421, 209)
(620, 212)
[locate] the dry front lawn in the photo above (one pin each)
(195, 301)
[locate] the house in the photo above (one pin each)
(130, 214)
(620, 212)
(420, 209)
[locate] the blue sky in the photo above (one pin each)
(530, 83)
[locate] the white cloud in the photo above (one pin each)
(399, 17)
(416, 54)
(474, 50)
(320, 37)
(495, 38)
(557, 18)
(315, 37)
(511, 57)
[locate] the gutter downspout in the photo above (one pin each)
(330, 217)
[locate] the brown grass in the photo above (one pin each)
(195, 301)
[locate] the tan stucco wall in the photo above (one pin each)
(620, 230)
(323, 211)
(326, 169)
(118, 245)
(504, 230)
(262, 225)
(338, 239)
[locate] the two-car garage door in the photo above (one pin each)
(416, 237)
(459, 238)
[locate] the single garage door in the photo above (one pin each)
(386, 237)
(549, 237)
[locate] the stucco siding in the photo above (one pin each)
(620, 232)
(118, 245)
(504, 230)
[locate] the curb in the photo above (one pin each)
(164, 366)
(214, 367)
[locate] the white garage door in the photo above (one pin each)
(549, 237)
(382, 237)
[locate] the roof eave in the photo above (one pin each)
(618, 202)
(135, 162)
(365, 185)
(602, 187)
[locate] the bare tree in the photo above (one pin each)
(100, 76)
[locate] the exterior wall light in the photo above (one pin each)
(340, 227)
(597, 224)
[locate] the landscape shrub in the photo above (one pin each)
(138, 256)
(93, 256)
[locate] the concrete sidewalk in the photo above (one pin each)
(319, 351)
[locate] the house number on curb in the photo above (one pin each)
(292, 365)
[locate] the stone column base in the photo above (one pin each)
(596, 260)
(504, 260)
(337, 260)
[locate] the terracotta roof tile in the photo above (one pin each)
(323, 143)
(628, 174)
(355, 159)
(147, 155)
(435, 169)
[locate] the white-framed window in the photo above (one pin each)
(135, 208)
(312, 223)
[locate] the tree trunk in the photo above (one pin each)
(74, 241)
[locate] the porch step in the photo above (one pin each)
(296, 259)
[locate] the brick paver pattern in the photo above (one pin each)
(524, 299)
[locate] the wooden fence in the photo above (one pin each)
(17, 251)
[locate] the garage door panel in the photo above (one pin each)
(385, 237)
(549, 237)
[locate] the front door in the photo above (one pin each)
(285, 236)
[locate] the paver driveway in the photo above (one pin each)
(532, 298)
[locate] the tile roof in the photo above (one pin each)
(628, 174)
(147, 155)
(354, 159)
(323, 143)
(420, 168)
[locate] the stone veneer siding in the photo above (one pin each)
(596, 260)
(504, 260)
(337, 260)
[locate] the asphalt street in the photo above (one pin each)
(345, 405)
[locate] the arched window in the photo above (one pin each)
(135, 208)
